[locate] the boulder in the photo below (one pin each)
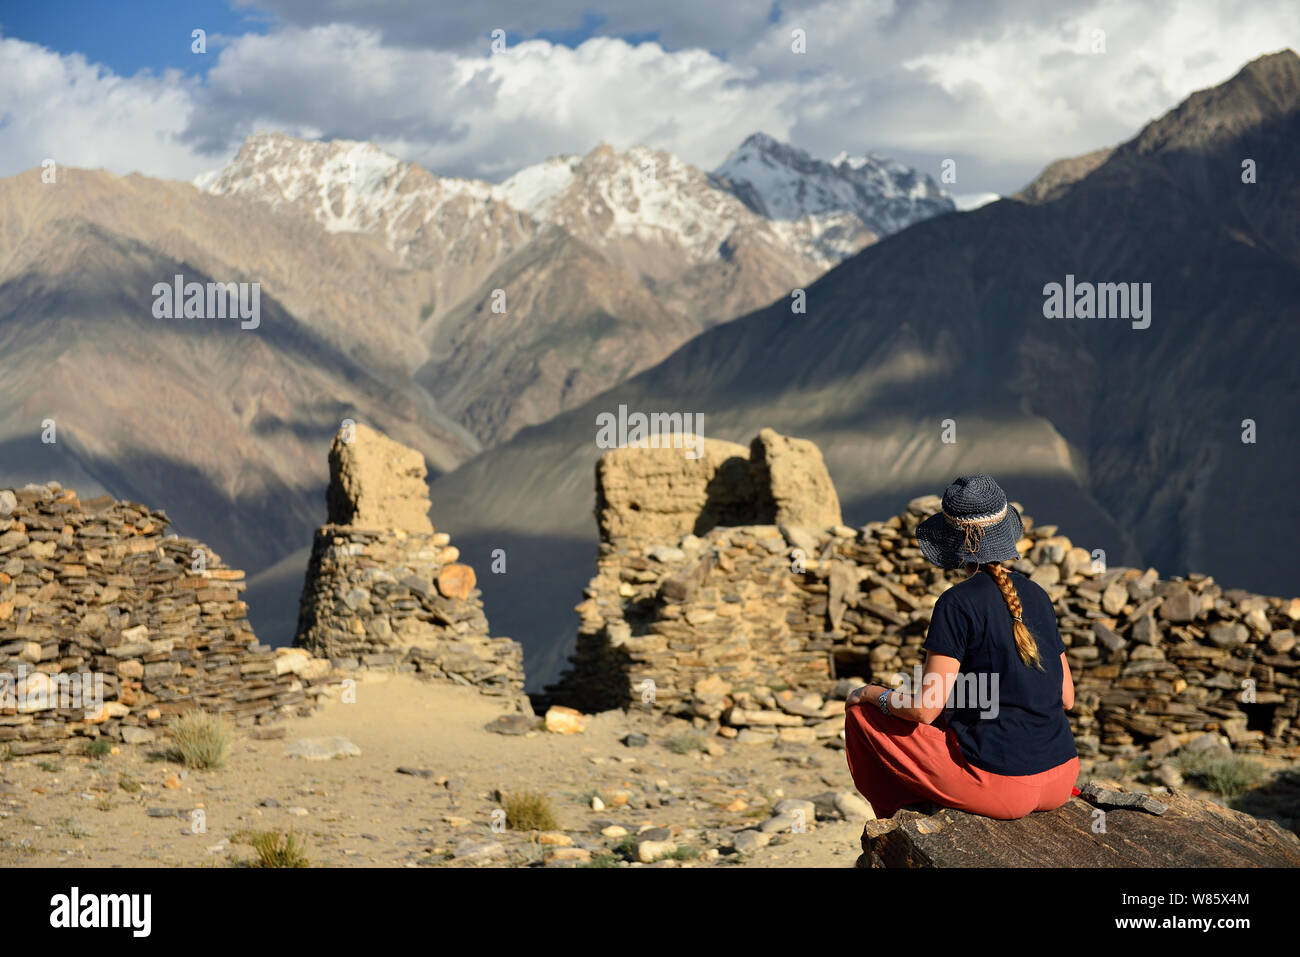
(456, 581)
(1189, 833)
(562, 720)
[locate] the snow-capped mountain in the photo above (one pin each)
(350, 186)
(608, 261)
(766, 192)
(646, 208)
(830, 205)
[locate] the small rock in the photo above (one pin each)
(852, 807)
(322, 749)
(614, 831)
(416, 772)
(647, 852)
(1180, 605)
(666, 554)
(636, 740)
(802, 539)
(562, 720)
(794, 806)
(512, 724)
(747, 842)
(1228, 634)
(456, 581)
(1169, 776)
(132, 734)
(474, 850)
(567, 857)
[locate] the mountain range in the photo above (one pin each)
(447, 312)
(930, 354)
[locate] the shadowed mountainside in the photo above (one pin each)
(1129, 439)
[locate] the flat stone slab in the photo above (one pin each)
(1190, 833)
(322, 749)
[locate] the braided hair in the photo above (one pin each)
(1025, 644)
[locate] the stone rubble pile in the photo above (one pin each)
(384, 589)
(152, 620)
(761, 629)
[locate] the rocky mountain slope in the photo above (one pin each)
(377, 283)
(833, 209)
(539, 292)
(1131, 439)
(222, 426)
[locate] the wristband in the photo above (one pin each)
(883, 701)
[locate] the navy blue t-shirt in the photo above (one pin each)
(1008, 716)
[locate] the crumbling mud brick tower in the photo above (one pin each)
(384, 588)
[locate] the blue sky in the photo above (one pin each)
(1001, 87)
(128, 36)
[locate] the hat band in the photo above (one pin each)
(978, 520)
(973, 528)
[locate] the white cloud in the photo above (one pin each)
(485, 115)
(79, 114)
(1003, 87)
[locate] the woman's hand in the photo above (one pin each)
(867, 693)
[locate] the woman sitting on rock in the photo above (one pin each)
(1005, 748)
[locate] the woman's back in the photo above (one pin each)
(1008, 716)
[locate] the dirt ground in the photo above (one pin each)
(76, 810)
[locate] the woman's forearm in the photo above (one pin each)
(901, 704)
(905, 706)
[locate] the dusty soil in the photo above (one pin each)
(118, 810)
(72, 810)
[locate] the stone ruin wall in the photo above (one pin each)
(752, 626)
(101, 588)
(384, 589)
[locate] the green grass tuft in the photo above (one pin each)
(200, 740)
(528, 811)
(276, 849)
(1227, 775)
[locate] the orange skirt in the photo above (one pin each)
(896, 762)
